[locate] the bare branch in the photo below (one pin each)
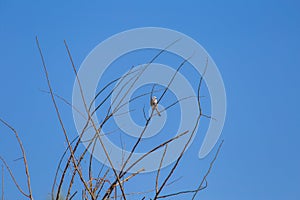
(2, 182)
(97, 131)
(66, 102)
(192, 134)
(208, 171)
(204, 180)
(13, 178)
(60, 119)
(23, 154)
(159, 168)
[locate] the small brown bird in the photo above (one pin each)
(153, 104)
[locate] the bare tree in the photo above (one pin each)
(80, 176)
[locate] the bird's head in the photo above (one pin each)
(154, 98)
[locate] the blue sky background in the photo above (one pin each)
(255, 44)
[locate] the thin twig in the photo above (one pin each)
(66, 102)
(81, 135)
(24, 156)
(189, 139)
(97, 131)
(153, 150)
(159, 168)
(73, 195)
(208, 171)
(133, 175)
(2, 187)
(13, 178)
(182, 192)
(204, 179)
(60, 120)
(58, 168)
(146, 124)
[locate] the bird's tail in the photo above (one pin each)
(157, 111)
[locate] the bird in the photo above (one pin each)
(153, 104)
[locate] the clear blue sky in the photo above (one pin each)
(255, 44)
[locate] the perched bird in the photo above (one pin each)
(153, 104)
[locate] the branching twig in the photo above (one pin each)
(13, 178)
(60, 120)
(208, 171)
(97, 130)
(204, 179)
(23, 154)
(191, 136)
